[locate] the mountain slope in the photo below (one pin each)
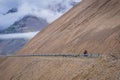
(92, 25)
(13, 10)
(26, 24)
(46, 68)
(11, 46)
(69, 34)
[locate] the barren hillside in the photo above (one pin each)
(93, 25)
(51, 68)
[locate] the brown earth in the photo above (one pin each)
(92, 25)
(51, 68)
(2, 59)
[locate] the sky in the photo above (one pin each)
(46, 9)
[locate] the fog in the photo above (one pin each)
(28, 35)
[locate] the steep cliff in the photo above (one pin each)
(92, 25)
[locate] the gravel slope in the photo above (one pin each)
(51, 68)
(92, 25)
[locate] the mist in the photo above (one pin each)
(27, 36)
(46, 9)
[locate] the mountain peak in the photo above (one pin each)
(28, 23)
(12, 10)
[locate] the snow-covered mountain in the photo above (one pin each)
(12, 10)
(62, 7)
(15, 36)
(26, 24)
(47, 10)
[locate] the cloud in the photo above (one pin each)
(18, 35)
(76, 0)
(46, 9)
(5, 5)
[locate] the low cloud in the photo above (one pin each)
(46, 9)
(18, 35)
